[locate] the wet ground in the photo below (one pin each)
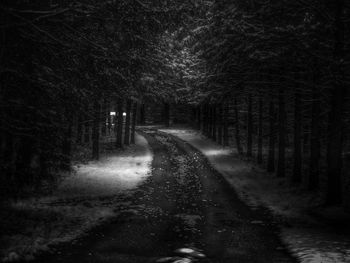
(185, 212)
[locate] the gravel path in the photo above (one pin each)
(183, 213)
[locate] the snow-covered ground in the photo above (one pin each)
(94, 193)
(308, 239)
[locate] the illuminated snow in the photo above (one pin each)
(185, 250)
(316, 245)
(112, 174)
(92, 195)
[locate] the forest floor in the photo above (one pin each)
(94, 193)
(312, 232)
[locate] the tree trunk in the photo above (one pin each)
(86, 130)
(250, 127)
(272, 139)
(119, 141)
(109, 118)
(206, 117)
(133, 126)
(206, 130)
(67, 144)
(297, 160)
(306, 138)
(127, 123)
(199, 116)
(237, 128)
(193, 119)
(143, 114)
(281, 134)
(11, 151)
(260, 132)
(220, 124)
(336, 115)
(43, 159)
(315, 153)
(210, 121)
(96, 131)
(79, 137)
(167, 114)
(214, 114)
(226, 105)
(104, 118)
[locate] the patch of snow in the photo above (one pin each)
(93, 194)
(184, 250)
(312, 245)
(183, 260)
(258, 188)
(190, 252)
(111, 175)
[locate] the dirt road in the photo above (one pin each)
(184, 213)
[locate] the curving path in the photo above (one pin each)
(183, 213)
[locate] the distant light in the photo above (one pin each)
(124, 113)
(112, 113)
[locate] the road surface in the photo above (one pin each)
(185, 212)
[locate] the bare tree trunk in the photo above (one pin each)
(67, 143)
(306, 139)
(336, 115)
(315, 148)
(210, 121)
(133, 126)
(220, 124)
(119, 142)
(297, 160)
(96, 131)
(11, 150)
(109, 118)
(199, 115)
(272, 139)
(237, 126)
(86, 128)
(104, 118)
(167, 114)
(250, 127)
(260, 131)
(281, 134)
(127, 123)
(79, 137)
(226, 124)
(206, 120)
(143, 114)
(193, 120)
(214, 122)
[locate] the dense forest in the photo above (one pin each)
(270, 78)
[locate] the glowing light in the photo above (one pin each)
(124, 113)
(112, 113)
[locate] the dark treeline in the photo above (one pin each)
(64, 66)
(270, 77)
(278, 73)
